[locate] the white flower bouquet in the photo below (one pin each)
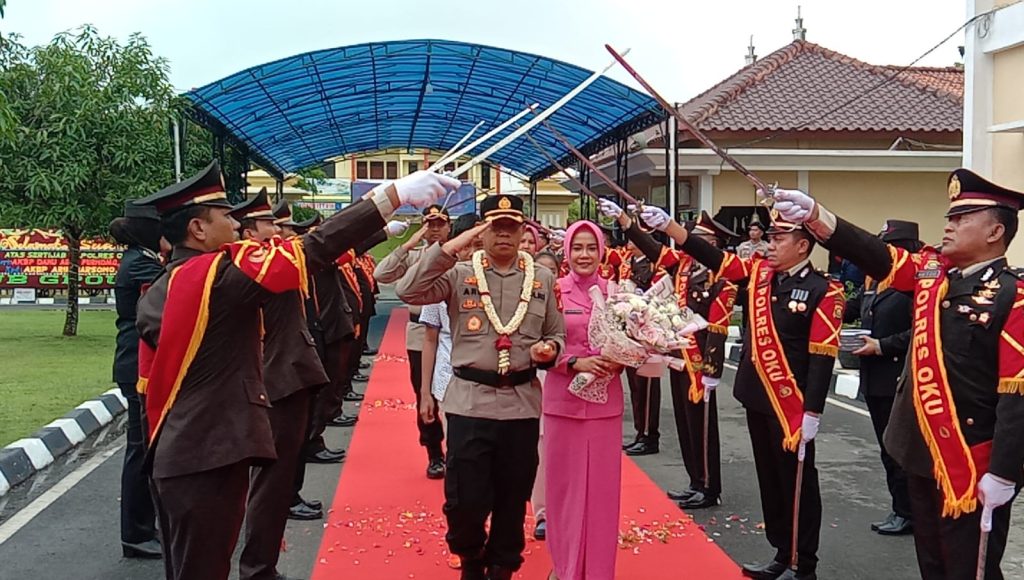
(637, 330)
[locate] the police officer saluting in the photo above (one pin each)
(957, 425)
(783, 378)
(200, 355)
(505, 322)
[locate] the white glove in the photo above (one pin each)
(794, 205)
(655, 217)
(422, 188)
(395, 228)
(710, 384)
(809, 428)
(994, 491)
(609, 208)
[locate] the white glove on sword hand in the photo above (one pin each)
(422, 188)
(794, 205)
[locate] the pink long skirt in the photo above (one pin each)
(583, 467)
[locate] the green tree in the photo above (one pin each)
(575, 213)
(90, 131)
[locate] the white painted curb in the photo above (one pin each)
(36, 450)
(99, 410)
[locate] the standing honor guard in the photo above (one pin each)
(140, 265)
(291, 368)
(505, 322)
(694, 402)
(887, 313)
(200, 351)
(783, 379)
(435, 230)
(645, 392)
(957, 425)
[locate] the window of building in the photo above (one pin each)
(362, 170)
(485, 176)
(412, 167)
(392, 170)
(376, 170)
(328, 169)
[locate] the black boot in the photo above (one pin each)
(769, 571)
(473, 569)
(499, 573)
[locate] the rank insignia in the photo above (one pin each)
(471, 280)
(504, 203)
(992, 284)
(522, 264)
(979, 299)
(536, 284)
(963, 308)
(988, 275)
(474, 323)
(984, 317)
(469, 304)
(954, 188)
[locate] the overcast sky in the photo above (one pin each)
(682, 46)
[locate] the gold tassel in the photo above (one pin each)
(792, 442)
(1011, 387)
(718, 328)
(142, 385)
(824, 349)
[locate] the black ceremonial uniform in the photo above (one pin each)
(797, 298)
(220, 406)
(703, 289)
(980, 307)
(644, 392)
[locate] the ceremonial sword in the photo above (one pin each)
(986, 528)
(800, 454)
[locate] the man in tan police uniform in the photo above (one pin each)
(493, 402)
(435, 230)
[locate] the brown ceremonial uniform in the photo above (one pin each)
(493, 420)
(215, 424)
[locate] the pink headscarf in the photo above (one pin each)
(536, 236)
(585, 282)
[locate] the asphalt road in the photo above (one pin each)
(76, 534)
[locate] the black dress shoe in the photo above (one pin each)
(888, 520)
(626, 446)
(353, 397)
(499, 573)
(326, 456)
(364, 365)
(360, 378)
(473, 570)
(313, 503)
(303, 512)
(897, 526)
(642, 448)
(435, 469)
(280, 576)
(791, 575)
(343, 421)
(149, 550)
(769, 571)
(681, 495)
(369, 351)
(540, 531)
(699, 500)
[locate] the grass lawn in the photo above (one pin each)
(386, 247)
(46, 375)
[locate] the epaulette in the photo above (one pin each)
(1016, 271)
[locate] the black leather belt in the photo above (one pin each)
(493, 379)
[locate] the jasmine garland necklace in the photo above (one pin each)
(504, 342)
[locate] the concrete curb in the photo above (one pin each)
(23, 458)
(845, 382)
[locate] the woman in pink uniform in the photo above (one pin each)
(582, 440)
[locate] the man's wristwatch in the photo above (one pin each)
(571, 363)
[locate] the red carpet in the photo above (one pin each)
(386, 520)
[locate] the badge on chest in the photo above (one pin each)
(798, 300)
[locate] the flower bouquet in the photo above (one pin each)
(637, 330)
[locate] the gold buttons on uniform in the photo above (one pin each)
(945, 303)
(263, 397)
(775, 298)
(970, 421)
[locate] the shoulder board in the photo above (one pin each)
(1015, 271)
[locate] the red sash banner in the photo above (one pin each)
(954, 468)
(770, 360)
(185, 316)
(1011, 350)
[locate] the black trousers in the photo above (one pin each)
(200, 517)
(947, 548)
(138, 514)
(490, 472)
(690, 430)
(645, 395)
(880, 408)
(330, 398)
(776, 478)
(431, 434)
(270, 490)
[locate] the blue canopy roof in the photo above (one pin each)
(296, 112)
